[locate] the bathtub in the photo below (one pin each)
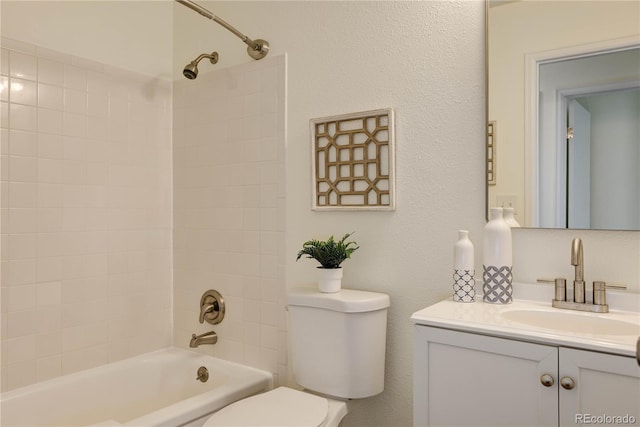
(152, 390)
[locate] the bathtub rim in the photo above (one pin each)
(197, 404)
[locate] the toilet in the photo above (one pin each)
(337, 353)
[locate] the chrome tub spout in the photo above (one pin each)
(206, 338)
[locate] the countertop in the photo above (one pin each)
(488, 319)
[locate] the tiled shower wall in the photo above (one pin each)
(229, 141)
(86, 214)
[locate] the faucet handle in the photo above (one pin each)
(599, 291)
(212, 307)
(615, 286)
(560, 287)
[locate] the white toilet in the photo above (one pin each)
(337, 350)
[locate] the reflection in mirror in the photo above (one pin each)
(563, 79)
(589, 141)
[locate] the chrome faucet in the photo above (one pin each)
(599, 302)
(211, 311)
(578, 261)
(206, 338)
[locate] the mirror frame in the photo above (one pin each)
(486, 110)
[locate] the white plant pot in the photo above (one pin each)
(329, 279)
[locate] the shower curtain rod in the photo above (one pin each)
(257, 49)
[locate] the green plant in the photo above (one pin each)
(329, 253)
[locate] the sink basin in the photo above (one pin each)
(572, 322)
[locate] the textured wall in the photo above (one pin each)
(424, 59)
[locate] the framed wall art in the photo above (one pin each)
(353, 164)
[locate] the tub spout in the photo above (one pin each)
(206, 338)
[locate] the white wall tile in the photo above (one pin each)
(4, 88)
(21, 220)
(23, 92)
(20, 324)
(22, 246)
(23, 117)
(50, 72)
(50, 96)
(75, 101)
(48, 367)
(49, 195)
(22, 143)
(21, 298)
(4, 114)
(49, 269)
(69, 175)
(22, 195)
(20, 374)
(226, 224)
(50, 146)
(74, 124)
(50, 121)
(49, 220)
(50, 171)
(22, 65)
(49, 293)
(75, 77)
(4, 62)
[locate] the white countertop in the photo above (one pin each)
(485, 318)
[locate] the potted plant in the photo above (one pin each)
(330, 254)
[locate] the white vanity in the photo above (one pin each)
(526, 363)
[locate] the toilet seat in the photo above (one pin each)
(279, 407)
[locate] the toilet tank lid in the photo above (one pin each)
(345, 301)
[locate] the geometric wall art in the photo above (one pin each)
(353, 164)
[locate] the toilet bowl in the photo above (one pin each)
(281, 407)
(337, 350)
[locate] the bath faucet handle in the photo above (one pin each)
(560, 287)
(212, 307)
(615, 286)
(600, 291)
(206, 310)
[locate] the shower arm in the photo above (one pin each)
(257, 49)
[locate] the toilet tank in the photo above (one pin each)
(338, 341)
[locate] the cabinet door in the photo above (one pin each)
(463, 379)
(603, 385)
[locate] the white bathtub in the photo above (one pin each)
(152, 390)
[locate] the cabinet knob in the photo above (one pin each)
(567, 383)
(546, 380)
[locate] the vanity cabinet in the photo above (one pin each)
(467, 379)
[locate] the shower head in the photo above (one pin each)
(191, 69)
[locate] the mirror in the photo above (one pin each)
(563, 104)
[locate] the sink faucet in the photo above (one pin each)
(206, 338)
(578, 261)
(599, 301)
